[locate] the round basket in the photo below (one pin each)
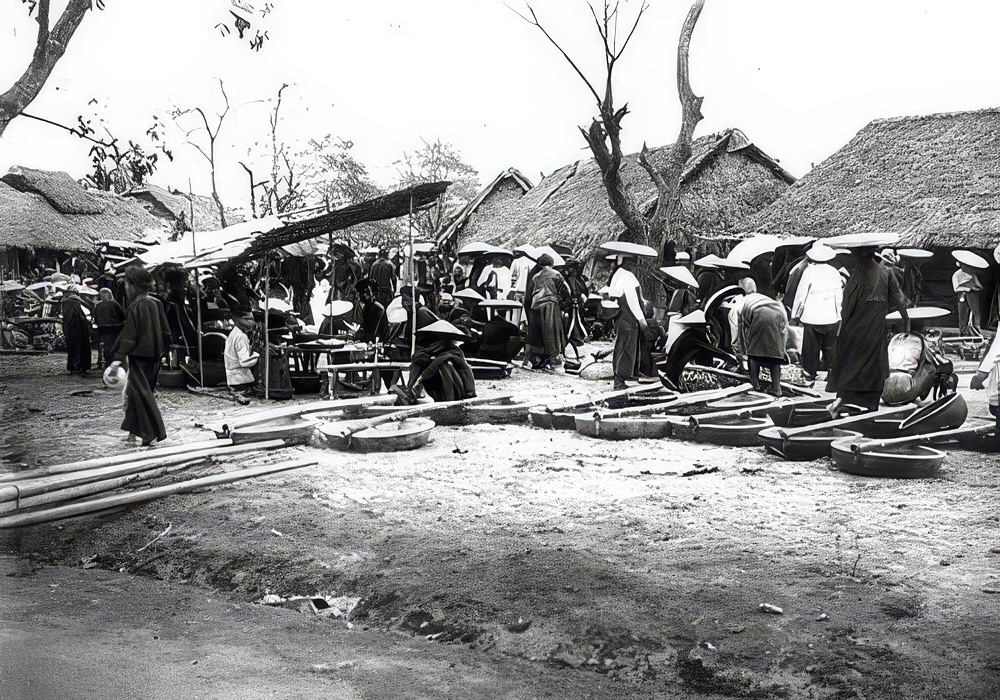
(393, 436)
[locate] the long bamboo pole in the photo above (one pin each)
(97, 504)
(31, 487)
(156, 453)
(413, 287)
(74, 492)
(347, 428)
(267, 334)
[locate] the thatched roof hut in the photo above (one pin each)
(49, 210)
(727, 178)
(492, 200)
(933, 179)
(177, 207)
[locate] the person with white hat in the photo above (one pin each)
(818, 298)
(968, 290)
(630, 323)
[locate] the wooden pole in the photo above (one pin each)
(32, 487)
(267, 334)
(98, 504)
(156, 453)
(197, 293)
(413, 286)
(74, 492)
(348, 428)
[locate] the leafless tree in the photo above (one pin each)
(603, 135)
(50, 45)
(207, 150)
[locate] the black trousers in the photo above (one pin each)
(819, 343)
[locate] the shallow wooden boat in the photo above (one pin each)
(788, 414)
(390, 436)
(737, 431)
(298, 431)
(908, 457)
(622, 428)
(561, 416)
(807, 442)
(908, 460)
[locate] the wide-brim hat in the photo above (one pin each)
(557, 259)
(681, 274)
(442, 329)
(12, 286)
(500, 304)
(919, 312)
(468, 293)
(279, 305)
(868, 239)
(710, 260)
(820, 252)
(628, 250)
(732, 264)
(337, 307)
(967, 257)
(916, 253)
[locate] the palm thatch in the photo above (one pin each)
(178, 207)
(726, 179)
(933, 179)
(61, 215)
(506, 187)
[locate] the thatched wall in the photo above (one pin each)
(933, 179)
(727, 178)
(496, 206)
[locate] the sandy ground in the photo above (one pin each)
(496, 562)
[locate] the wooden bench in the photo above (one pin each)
(371, 370)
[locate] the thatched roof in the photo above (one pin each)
(727, 178)
(40, 209)
(63, 193)
(177, 206)
(933, 179)
(510, 184)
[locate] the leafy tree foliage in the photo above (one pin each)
(434, 162)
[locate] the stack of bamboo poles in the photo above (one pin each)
(77, 488)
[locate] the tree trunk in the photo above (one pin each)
(49, 48)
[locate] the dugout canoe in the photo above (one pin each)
(813, 441)
(562, 416)
(622, 428)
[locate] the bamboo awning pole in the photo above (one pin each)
(267, 334)
(333, 280)
(413, 287)
(98, 504)
(197, 293)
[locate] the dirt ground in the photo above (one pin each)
(496, 562)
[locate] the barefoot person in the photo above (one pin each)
(143, 340)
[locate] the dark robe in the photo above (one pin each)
(861, 363)
(374, 324)
(76, 331)
(143, 340)
(549, 286)
(109, 317)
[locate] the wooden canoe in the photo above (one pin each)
(622, 428)
(813, 441)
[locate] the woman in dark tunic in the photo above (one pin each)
(861, 363)
(76, 331)
(143, 340)
(109, 317)
(548, 289)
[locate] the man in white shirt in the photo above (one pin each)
(818, 300)
(238, 356)
(519, 270)
(630, 323)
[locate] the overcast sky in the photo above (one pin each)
(800, 78)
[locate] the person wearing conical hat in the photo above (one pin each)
(818, 298)
(630, 325)
(968, 295)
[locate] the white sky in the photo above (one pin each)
(799, 77)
